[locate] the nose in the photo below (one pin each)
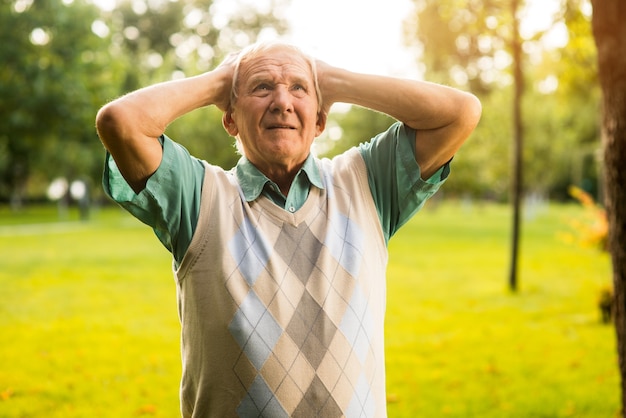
(281, 100)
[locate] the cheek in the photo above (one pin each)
(307, 112)
(244, 120)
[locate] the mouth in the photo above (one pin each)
(280, 126)
(275, 127)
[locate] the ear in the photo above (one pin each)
(229, 123)
(321, 123)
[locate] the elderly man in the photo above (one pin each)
(280, 262)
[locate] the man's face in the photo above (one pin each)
(275, 114)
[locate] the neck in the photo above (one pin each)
(282, 178)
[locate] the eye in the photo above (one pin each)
(299, 90)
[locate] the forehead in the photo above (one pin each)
(276, 64)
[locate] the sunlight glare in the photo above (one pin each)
(106, 5)
(360, 35)
(39, 37)
(537, 16)
(100, 28)
(21, 6)
(557, 36)
(548, 85)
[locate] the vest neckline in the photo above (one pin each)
(283, 215)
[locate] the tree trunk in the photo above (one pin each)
(517, 175)
(610, 35)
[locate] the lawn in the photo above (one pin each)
(89, 327)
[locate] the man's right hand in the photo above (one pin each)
(225, 71)
(130, 125)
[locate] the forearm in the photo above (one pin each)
(442, 117)
(129, 126)
(146, 113)
(421, 105)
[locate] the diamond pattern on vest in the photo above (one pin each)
(305, 334)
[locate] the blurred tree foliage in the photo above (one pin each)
(50, 83)
(63, 59)
(345, 129)
(466, 44)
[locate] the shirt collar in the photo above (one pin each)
(252, 181)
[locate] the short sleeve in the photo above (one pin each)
(395, 178)
(170, 202)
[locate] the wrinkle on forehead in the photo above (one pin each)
(278, 55)
(279, 67)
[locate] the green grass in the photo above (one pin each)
(89, 326)
(459, 344)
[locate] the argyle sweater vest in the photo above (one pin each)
(282, 313)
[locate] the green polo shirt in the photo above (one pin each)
(170, 203)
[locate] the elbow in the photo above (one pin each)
(468, 116)
(470, 111)
(473, 111)
(104, 117)
(108, 124)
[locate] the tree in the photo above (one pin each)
(480, 45)
(610, 36)
(464, 42)
(517, 183)
(48, 83)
